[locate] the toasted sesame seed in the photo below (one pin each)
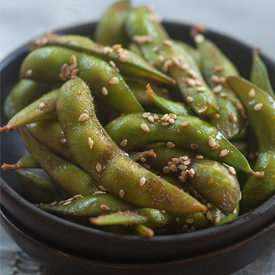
(123, 56)
(219, 68)
(63, 140)
(251, 93)
(185, 67)
(61, 202)
(217, 89)
(201, 89)
(194, 146)
(182, 178)
(258, 106)
(78, 196)
(143, 159)
(189, 221)
(185, 124)
(104, 91)
(155, 49)
(28, 73)
(142, 181)
(182, 167)
(104, 207)
(199, 82)
(233, 118)
(187, 162)
(107, 50)
(199, 38)
(168, 63)
(167, 43)
(67, 202)
(141, 39)
(190, 99)
(192, 73)
(112, 63)
(121, 193)
(217, 219)
(174, 116)
(212, 143)
(41, 105)
(217, 115)
(224, 153)
(144, 128)
(98, 167)
(183, 158)
(161, 58)
(145, 115)
(232, 170)
(175, 160)
(190, 82)
(191, 172)
(155, 116)
(199, 157)
(166, 170)
(171, 121)
(151, 119)
(102, 188)
(165, 124)
(53, 203)
(173, 168)
(170, 144)
(209, 215)
(90, 142)
(209, 205)
(83, 117)
(123, 143)
(117, 47)
(114, 80)
(234, 211)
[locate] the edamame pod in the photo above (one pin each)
(50, 64)
(37, 188)
(184, 131)
(97, 153)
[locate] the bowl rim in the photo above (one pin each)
(214, 230)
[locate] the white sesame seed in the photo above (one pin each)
(217, 89)
(112, 63)
(151, 119)
(143, 159)
(190, 82)
(41, 105)
(144, 128)
(98, 167)
(28, 73)
(155, 116)
(201, 89)
(121, 193)
(167, 43)
(185, 124)
(192, 73)
(182, 167)
(189, 221)
(199, 38)
(170, 144)
(212, 143)
(199, 157)
(219, 68)
(233, 118)
(117, 47)
(102, 188)
(191, 172)
(165, 124)
(114, 80)
(67, 202)
(142, 181)
(107, 50)
(251, 93)
(232, 170)
(123, 143)
(190, 99)
(184, 67)
(123, 56)
(104, 91)
(168, 63)
(224, 153)
(155, 49)
(217, 219)
(187, 162)
(258, 106)
(209, 215)
(161, 58)
(173, 168)
(90, 142)
(166, 170)
(145, 115)
(141, 39)
(83, 117)
(234, 211)
(78, 196)
(175, 160)
(171, 121)
(104, 207)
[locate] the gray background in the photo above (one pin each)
(252, 21)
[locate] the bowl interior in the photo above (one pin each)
(12, 148)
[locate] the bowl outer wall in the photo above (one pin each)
(100, 244)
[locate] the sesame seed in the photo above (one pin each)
(209, 215)
(123, 56)
(165, 124)
(219, 68)
(145, 115)
(123, 143)
(234, 211)
(170, 144)
(194, 146)
(190, 82)
(217, 115)
(83, 117)
(211, 181)
(142, 181)
(144, 128)
(166, 170)
(171, 121)
(141, 39)
(155, 116)
(155, 49)
(79, 196)
(176, 61)
(107, 50)
(104, 91)
(199, 157)
(232, 170)
(28, 73)
(183, 158)
(143, 159)
(251, 93)
(98, 167)
(199, 38)
(53, 203)
(41, 105)
(185, 124)
(224, 153)
(164, 117)
(63, 140)
(233, 118)
(67, 202)
(161, 58)
(217, 89)
(173, 168)
(114, 80)
(102, 188)
(154, 18)
(166, 65)
(187, 162)
(199, 82)
(167, 43)
(212, 143)
(182, 178)
(224, 95)
(217, 219)
(258, 106)
(209, 205)
(189, 221)
(61, 202)
(177, 219)
(190, 99)
(117, 47)
(184, 67)
(182, 167)
(151, 119)
(104, 207)
(191, 172)
(174, 116)
(90, 142)
(121, 193)
(192, 73)
(201, 89)
(175, 160)
(112, 63)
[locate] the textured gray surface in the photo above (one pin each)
(251, 21)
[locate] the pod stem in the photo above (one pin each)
(15, 166)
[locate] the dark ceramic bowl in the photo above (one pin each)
(94, 243)
(219, 262)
